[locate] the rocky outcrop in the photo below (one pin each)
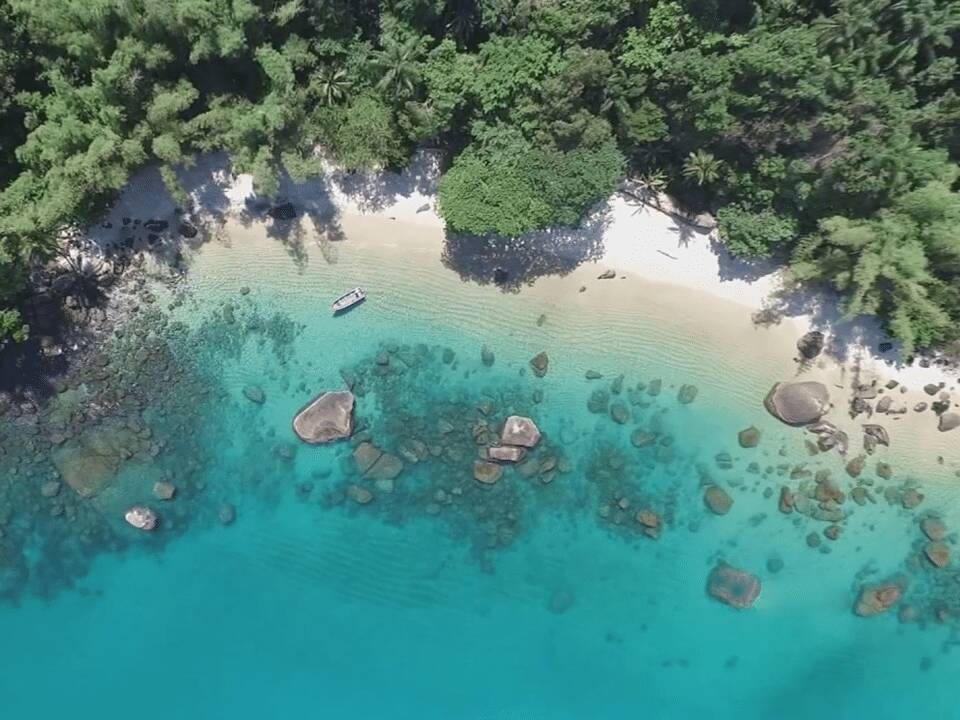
(329, 417)
(877, 599)
(733, 586)
(520, 431)
(798, 403)
(141, 517)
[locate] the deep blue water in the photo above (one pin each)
(521, 603)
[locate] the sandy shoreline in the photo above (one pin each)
(657, 258)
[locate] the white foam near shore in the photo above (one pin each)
(651, 241)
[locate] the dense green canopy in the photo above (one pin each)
(826, 131)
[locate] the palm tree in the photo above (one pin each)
(926, 25)
(333, 84)
(397, 64)
(702, 167)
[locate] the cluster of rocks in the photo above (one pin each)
(121, 443)
(419, 448)
(885, 404)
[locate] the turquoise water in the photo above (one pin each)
(518, 601)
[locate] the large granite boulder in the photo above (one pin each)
(733, 586)
(520, 431)
(329, 417)
(798, 403)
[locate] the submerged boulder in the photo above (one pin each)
(717, 500)
(540, 363)
(487, 472)
(737, 588)
(520, 431)
(329, 417)
(506, 453)
(798, 403)
(877, 599)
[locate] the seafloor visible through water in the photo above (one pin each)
(283, 583)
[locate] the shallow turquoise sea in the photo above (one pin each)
(307, 606)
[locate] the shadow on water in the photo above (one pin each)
(511, 263)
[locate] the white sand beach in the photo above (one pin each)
(673, 272)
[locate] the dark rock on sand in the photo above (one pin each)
(877, 599)
(687, 394)
(607, 275)
(226, 513)
(786, 502)
(798, 403)
(521, 431)
(931, 389)
(540, 363)
(750, 437)
(717, 500)
(877, 432)
(329, 417)
(486, 356)
(560, 602)
(653, 389)
(598, 401)
(811, 344)
(187, 230)
(164, 490)
(733, 586)
(254, 394)
(948, 421)
(641, 438)
(619, 413)
(593, 375)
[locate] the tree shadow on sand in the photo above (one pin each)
(511, 263)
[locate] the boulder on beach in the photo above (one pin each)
(141, 517)
(733, 586)
(520, 431)
(877, 599)
(811, 344)
(607, 275)
(798, 403)
(329, 417)
(948, 421)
